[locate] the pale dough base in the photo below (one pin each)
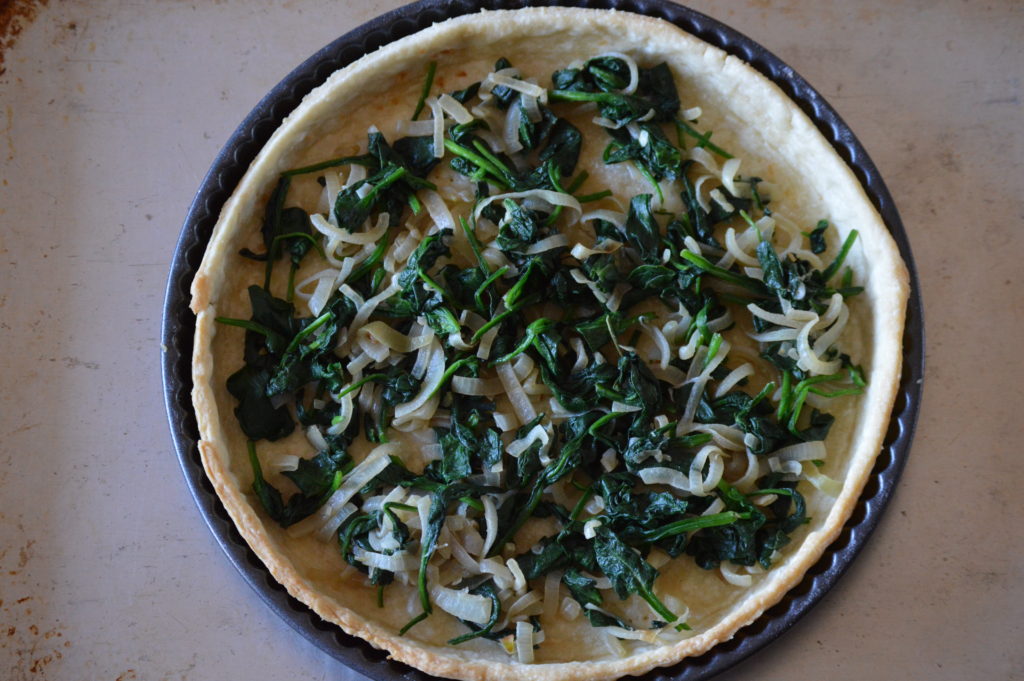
(750, 116)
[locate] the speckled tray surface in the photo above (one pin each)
(255, 130)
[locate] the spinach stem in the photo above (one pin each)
(703, 139)
(425, 92)
(841, 258)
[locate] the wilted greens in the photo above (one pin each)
(569, 374)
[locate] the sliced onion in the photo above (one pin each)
(538, 433)
(316, 438)
(581, 252)
(432, 452)
(570, 608)
(369, 236)
(551, 198)
(321, 294)
(465, 385)
(483, 350)
(524, 642)
(438, 127)
(284, 462)
(521, 403)
(502, 575)
(691, 114)
(802, 451)
(733, 577)
(460, 553)
(615, 648)
(660, 475)
(332, 185)
(775, 318)
(775, 336)
(503, 78)
(527, 604)
(506, 422)
(531, 108)
(324, 287)
(614, 217)
(808, 360)
(698, 186)
(821, 481)
(648, 635)
(414, 128)
(462, 604)
(510, 129)
(327, 530)
(791, 469)
(455, 109)
(523, 365)
(716, 506)
(827, 339)
(342, 420)
(729, 170)
(405, 245)
(368, 308)
(751, 475)
(548, 243)
(432, 380)
(552, 586)
(386, 335)
(734, 249)
(396, 562)
(702, 485)
(615, 299)
(704, 158)
(491, 523)
(719, 198)
(519, 579)
(744, 370)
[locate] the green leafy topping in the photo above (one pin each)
(621, 352)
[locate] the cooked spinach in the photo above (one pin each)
(570, 325)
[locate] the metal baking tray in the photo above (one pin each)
(242, 147)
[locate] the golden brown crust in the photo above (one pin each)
(744, 109)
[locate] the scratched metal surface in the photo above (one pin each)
(110, 112)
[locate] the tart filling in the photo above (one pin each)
(505, 364)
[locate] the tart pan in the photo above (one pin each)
(250, 136)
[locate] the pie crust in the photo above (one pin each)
(750, 116)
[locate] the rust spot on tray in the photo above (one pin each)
(15, 15)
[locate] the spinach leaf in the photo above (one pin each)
(584, 590)
(642, 230)
(650, 149)
(417, 154)
(351, 210)
(314, 340)
(637, 385)
(577, 391)
(737, 541)
(317, 480)
(628, 572)
(256, 413)
(462, 447)
(519, 229)
(817, 237)
(605, 74)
